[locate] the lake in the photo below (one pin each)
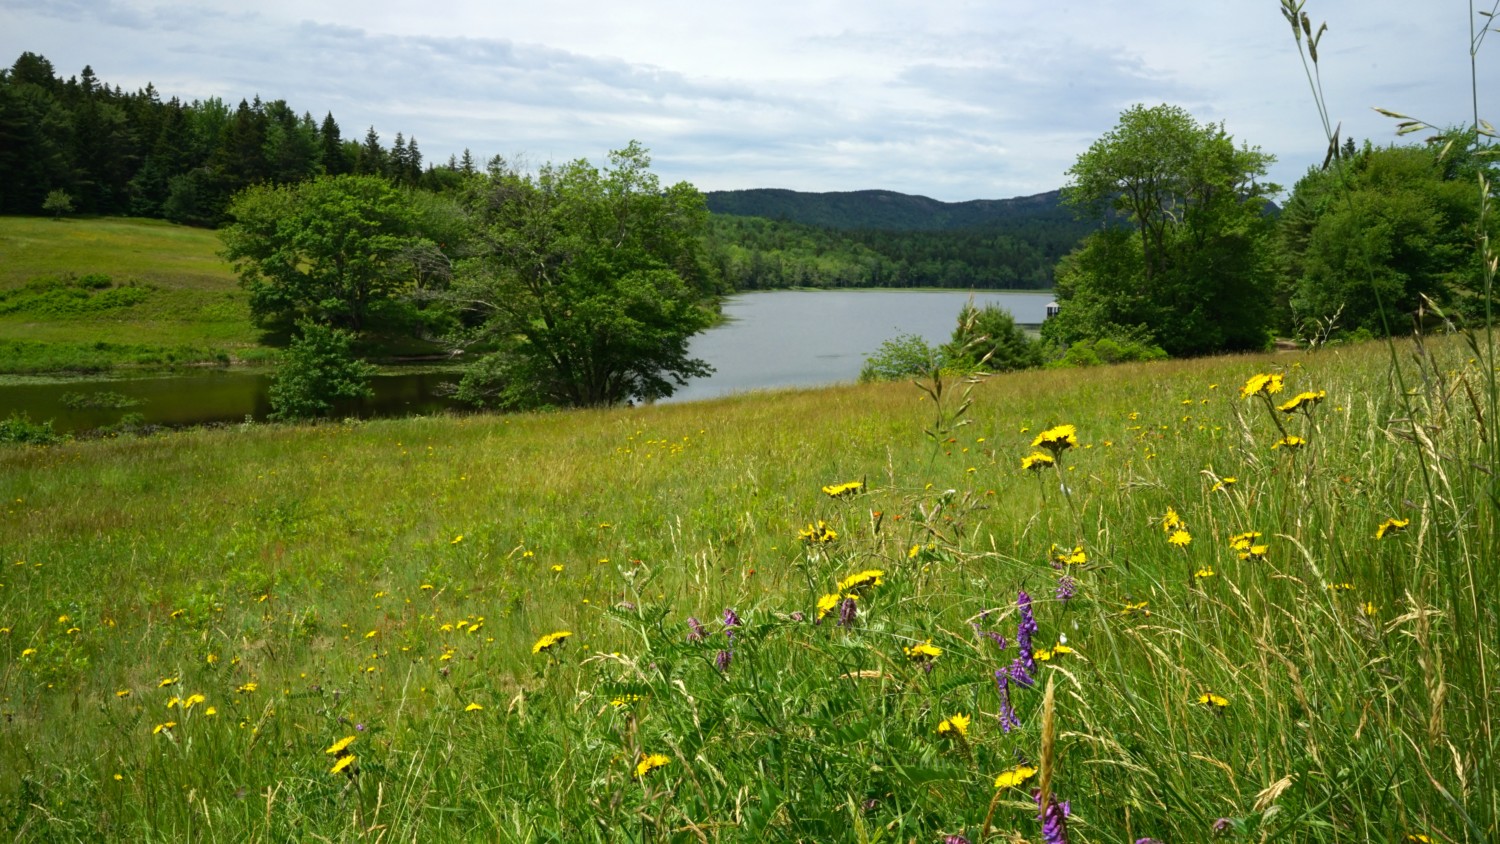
(769, 339)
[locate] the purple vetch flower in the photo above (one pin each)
(731, 621)
(1000, 641)
(1024, 631)
(1054, 818)
(848, 611)
(798, 615)
(721, 661)
(955, 839)
(1008, 717)
(695, 629)
(1017, 670)
(1147, 841)
(1065, 589)
(1222, 825)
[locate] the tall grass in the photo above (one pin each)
(380, 580)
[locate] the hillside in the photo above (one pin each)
(890, 211)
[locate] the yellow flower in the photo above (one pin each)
(163, 727)
(862, 580)
(341, 746)
(1042, 655)
(557, 569)
(1341, 587)
(1302, 400)
(1203, 573)
(1390, 526)
(1224, 484)
(1171, 521)
(457, 539)
(550, 641)
(210, 711)
(1243, 541)
(1211, 699)
(1015, 776)
(1132, 609)
(1060, 649)
(1076, 557)
(648, 763)
(247, 688)
(166, 681)
(1037, 462)
(827, 603)
(1180, 538)
(841, 490)
(923, 652)
(28, 652)
(1257, 552)
(1056, 440)
(193, 700)
(344, 762)
(1370, 609)
(621, 701)
(1291, 441)
(818, 533)
(473, 707)
(955, 724)
(1261, 385)
(123, 693)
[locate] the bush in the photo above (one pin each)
(316, 370)
(988, 339)
(907, 356)
(18, 429)
(1106, 350)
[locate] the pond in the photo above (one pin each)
(771, 339)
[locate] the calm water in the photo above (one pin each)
(783, 338)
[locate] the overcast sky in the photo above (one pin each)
(946, 98)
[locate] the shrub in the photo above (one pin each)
(988, 338)
(18, 429)
(906, 356)
(316, 370)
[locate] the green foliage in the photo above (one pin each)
(58, 203)
(317, 370)
(586, 284)
(1195, 271)
(67, 296)
(1366, 242)
(333, 249)
(904, 356)
(18, 429)
(988, 339)
(1107, 350)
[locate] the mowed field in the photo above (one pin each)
(1231, 607)
(95, 294)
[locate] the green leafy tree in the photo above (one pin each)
(1184, 256)
(317, 369)
(988, 339)
(57, 203)
(904, 356)
(335, 249)
(586, 283)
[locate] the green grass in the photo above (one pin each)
(161, 281)
(375, 580)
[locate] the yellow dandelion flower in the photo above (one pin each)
(193, 700)
(621, 701)
(1015, 776)
(912, 553)
(1261, 385)
(649, 762)
(1302, 401)
(246, 688)
(28, 652)
(1390, 526)
(1292, 442)
(1243, 541)
(1254, 552)
(123, 693)
(1037, 462)
(923, 652)
(1057, 439)
(473, 707)
(1042, 655)
(1060, 649)
(1171, 521)
(1418, 837)
(862, 580)
(1340, 587)
(163, 727)
(1132, 609)
(1076, 557)
(166, 681)
(1180, 538)
(818, 533)
(550, 641)
(955, 724)
(1203, 573)
(210, 712)
(1224, 484)
(841, 490)
(1211, 699)
(1370, 609)
(457, 539)
(557, 569)
(828, 603)
(341, 746)
(344, 762)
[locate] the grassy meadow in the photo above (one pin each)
(86, 295)
(653, 624)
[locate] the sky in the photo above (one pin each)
(951, 99)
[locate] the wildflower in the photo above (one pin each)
(1243, 541)
(1370, 609)
(550, 641)
(28, 652)
(1037, 462)
(123, 693)
(1066, 588)
(924, 653)
(1291, 441)
(862, 580)
(1132, 609)
(695, 630)
(955, 839)
(621, 701)
(342, 763)
(1059, 649)
(166, 681)
(954, 724)
(1076, 557)
(211, 711)
(1015, 776)
(1222, 826)
(648, 763)
(1054, 818)
(1302, 400)
(193, 700)
(731, 621)
(1025, 628)
(165, 727)
(817, 534)
(1224, 484)
(247, 688)
(721, 660)
(1042, 655)
(557, 569)
(1171, 521)
(1204, 573)
(1345, 586)
(1056, 440)
(1261, 385)
(841, 490)
(1008, 717)
(457, 539)
(1390, 526)
(1257, 552)
(340, 747)
(473, 707)
(848, 611)
(827, 603)
(1211, 699)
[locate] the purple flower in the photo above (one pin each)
(1018, 673)
(695, 630)
(955, 839)
(1008, 717)
(1065, 589)
(721, 661)
(798, 615)
(1000, 641)
(847, 612)
(731, 621)
(1147, 841)
(1024, 631)
(1054, 818)
(1222, 825)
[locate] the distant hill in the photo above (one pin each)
(889, 211)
